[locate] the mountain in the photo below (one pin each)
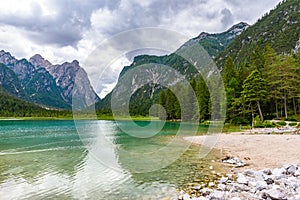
(40, 82)
(280, 28)
(12, 106)
(65, 76)
(10, 82)
(216, 43)
(147, 95)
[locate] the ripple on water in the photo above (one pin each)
(51, 161)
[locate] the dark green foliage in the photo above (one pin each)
(281, 123)
(14, 107)
(229, 71)
(142, 100)
(280, 29)
(254, 92)
(293, 124)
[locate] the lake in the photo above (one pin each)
(98, 160)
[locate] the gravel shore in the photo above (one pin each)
(266, 174)
(270, 184)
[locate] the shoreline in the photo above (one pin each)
(259, 151)
(271, 169)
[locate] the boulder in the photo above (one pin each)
(276, 193)
(242, 179)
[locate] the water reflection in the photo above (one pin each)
(52, 161)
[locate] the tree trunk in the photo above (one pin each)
(276, 106)
(260, 111)
(285, 105)
(294, 105)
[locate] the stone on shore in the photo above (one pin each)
(270, 184)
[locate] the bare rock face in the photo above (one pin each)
(10, 82)
(38, 81)
(39, 62)
(66, 76)
(7, 59)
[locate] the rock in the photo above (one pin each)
(250, 173)
(259, 176)
(223, 180)
(235, 198)
(269, 181)
(242, 179)
(252, 184)
(222, 187)
(234, 161)
(211, 184)
(278, 173)
(186, 197)
(200, 198)
(297, 173)
(261, 185)
(197, 187)
(291, 169)
(217, 195)
(206, 191)
(229, 176)
(267, 171)
(276, 194)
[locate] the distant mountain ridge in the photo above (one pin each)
(40, 82)
(280, 28)
(217, 42)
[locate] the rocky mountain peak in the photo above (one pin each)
(219, 41)
(202, 35)
(238, 28)
(6, 58)
(40, 82)
(75, 62)
(38, 61)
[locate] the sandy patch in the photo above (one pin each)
(259, 151)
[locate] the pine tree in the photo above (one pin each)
(254, 91)
(287, 79)
(269, 73)
(162, 102)
(229, 71)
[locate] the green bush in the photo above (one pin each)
(239, 121)
(281, 123)
(293, 124)
(291, 119)
(268, 124)
(257, 122)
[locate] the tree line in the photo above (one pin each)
(265, 85)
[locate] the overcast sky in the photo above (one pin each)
(64, 30)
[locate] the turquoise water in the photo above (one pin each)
(96, 160)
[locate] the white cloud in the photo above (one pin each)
(67, 30)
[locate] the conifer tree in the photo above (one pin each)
(254, 91)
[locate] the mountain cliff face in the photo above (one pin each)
(65, 76)
(40, 82)
(280, 28)
(10, 82)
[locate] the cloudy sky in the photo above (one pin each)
(64, 30)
